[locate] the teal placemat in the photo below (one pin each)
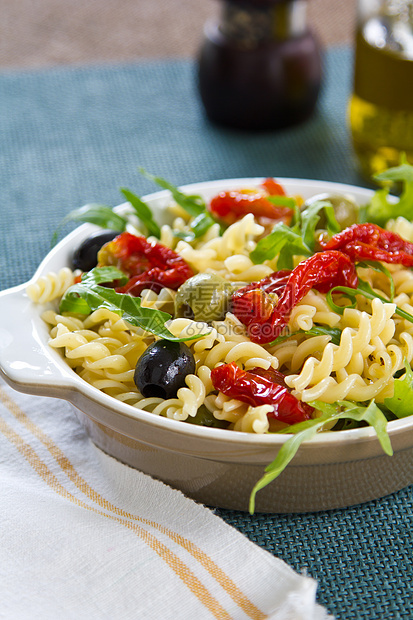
(71, 136)
(75, 135)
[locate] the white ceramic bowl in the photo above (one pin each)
(214, 466)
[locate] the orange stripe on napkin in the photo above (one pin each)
(221, 577)
(177, 565)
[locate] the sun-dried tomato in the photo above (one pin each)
(148, 265)
(272, 187)
(261, 387)
(233, 205)
(322, 271)
(370, 242)
(252, 303)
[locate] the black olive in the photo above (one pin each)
(85, 257)
(162, 368)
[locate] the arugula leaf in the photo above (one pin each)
(296, 240)
(268, 247)
(296, 217)
(380, 208)
(101, 215)
(105, 217)
(363, 214)
(88, 296)
(282, 201)
(333, 226)
(305, 431)
(310, 218)
(197, 228)
(316, 330)
(380, 268)
(285, 258)
(365, 289)
(143, 212)
(104, 275)
(401, 402)
(194, 205)
(333, 332)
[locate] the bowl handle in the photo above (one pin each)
(26, 361)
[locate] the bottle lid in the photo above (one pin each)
(249, 24)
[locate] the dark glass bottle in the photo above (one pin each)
(260, 65)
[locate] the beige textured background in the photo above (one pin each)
(42, 33)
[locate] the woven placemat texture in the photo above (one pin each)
(76, 135)
(361, 556)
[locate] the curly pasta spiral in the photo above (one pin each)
(164, 300)
(211, 254)
(255, 420)
(188, 400)
(362, 351)
(374, 344)
(50, 287)
(402, 227)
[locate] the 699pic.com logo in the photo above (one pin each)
(261, 330)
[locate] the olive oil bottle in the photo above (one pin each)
(381, 107)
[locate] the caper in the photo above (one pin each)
(204, 297)
(345, 209)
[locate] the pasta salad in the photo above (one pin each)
(256, 311)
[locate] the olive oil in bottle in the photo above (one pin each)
(381, 107)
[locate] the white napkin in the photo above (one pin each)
(83, 536)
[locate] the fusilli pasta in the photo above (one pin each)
(373, 341)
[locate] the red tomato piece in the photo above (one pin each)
(252, 304)
(233, 205)
(370, 242)
(322, 271)
(148, 265)
(261, 387)
(273, 188)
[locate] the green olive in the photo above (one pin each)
(204, 297)
(345, 209)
